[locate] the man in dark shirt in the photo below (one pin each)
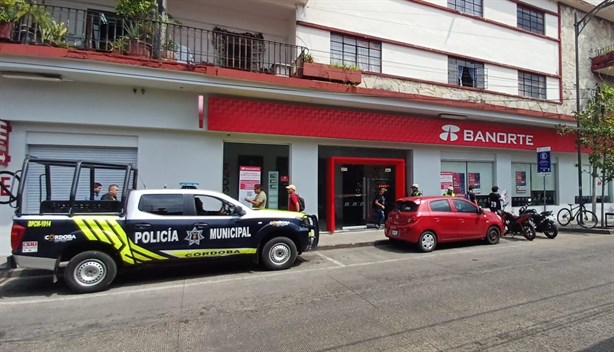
(471, 196)
(494, 199)
(379, 204)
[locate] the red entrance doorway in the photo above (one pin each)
(338, 190)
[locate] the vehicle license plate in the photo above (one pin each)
(394, 232)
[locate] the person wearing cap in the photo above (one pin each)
(415, 190)
(450, 192)
(379, 205)
(292, 198)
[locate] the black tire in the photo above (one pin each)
(528, 231)
(90, 271)
(551, 230)
(587, 219)
(427, 241)
(279, 253)
(492, 235)
(564, 217)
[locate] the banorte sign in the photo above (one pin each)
(273, 118)
(452, 133)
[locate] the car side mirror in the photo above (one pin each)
(239, 211)
(480, 210)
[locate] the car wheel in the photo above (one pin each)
(492, 235)
(427, 241)
(90, 271)
(279, 253)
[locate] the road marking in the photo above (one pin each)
(249, 276)
(336, 262)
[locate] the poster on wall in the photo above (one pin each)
(458, 182)
(474, 180)
(248, 177)
(447, 180)
(521, 181)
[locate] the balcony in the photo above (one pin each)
(167, 41)
(603, 61)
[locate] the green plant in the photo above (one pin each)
(137, 9)
(168, 45)
(13, 10)
(54, 33)
(345, 67)
(120, 45)
(134, 31)
(308, 58)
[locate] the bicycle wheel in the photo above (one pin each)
(587, 219)
(564, 216)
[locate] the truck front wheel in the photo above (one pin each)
(279, 253)
(90, 271)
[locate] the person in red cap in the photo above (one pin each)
(292, 198)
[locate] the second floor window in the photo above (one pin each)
(466, 73)
(531, 85)
(471, 7)
(530, 20)
(346, 50)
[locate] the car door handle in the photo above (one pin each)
(436, 219)
(142, 226)
(201, 224)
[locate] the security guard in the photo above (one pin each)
(415, 190)
(450, 192)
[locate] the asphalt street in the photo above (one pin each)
(545, 295)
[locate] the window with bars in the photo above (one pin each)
(530, 19)
(466, 73)
(346, 50)
(531, 85)
(471, 7)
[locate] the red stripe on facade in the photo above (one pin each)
(247, 116)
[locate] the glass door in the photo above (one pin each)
(356, 189)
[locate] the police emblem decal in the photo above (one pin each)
(194, 236)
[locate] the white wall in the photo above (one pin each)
(425, 164)
(429, 27)
(410, 62)
(304, 173)
(502, 79)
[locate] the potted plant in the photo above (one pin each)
(167, 50)
(141, 20)
(333, 73)
(119, 46)
(54, 33)
(11, 11)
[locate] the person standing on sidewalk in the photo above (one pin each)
(259, 202)
(379, 204)
(415, 190)
(292, 198)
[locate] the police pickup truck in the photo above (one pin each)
(57, 226)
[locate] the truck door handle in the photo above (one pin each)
(201, 224)
(142, 226)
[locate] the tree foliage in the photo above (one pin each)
(596, 133)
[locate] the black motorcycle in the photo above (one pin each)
(541, 221)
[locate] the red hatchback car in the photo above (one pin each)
(427, 221)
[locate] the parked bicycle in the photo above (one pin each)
(583, 217)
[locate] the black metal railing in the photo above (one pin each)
(166, 40)
(603, 51)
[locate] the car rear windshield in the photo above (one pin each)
(407, 206)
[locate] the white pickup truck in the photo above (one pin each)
(86, 241)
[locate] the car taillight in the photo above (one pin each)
(411, 219)
(17, 232)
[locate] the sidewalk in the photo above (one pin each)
(328, 241)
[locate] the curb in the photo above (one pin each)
(350, 245)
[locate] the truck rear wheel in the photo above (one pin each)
(90, 271)
(279, 253)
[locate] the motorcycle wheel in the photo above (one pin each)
(528, 231)
(551, 230)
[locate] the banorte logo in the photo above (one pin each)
(452, 133)
(449, 133)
